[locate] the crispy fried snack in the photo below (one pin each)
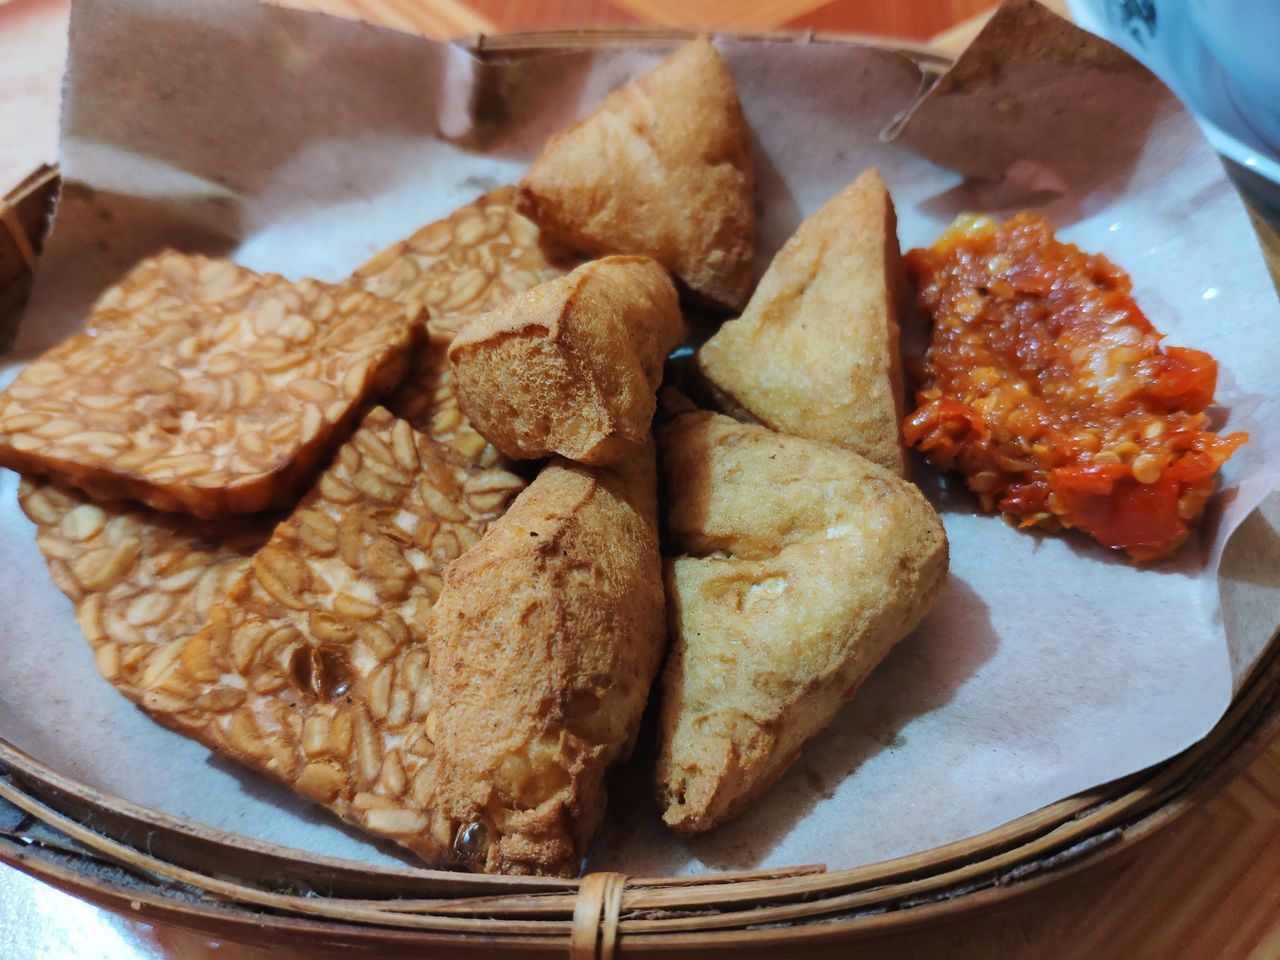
(139, 579)
(803, 565)
(313, 667)
(468, 263)
(200, 386)
(428, 399)
(545, 640)
(663, 169)
(1047, 387)
(816, 352)
(570, 367)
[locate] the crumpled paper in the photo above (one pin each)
(302, 144)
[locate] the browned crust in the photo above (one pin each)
(816, 352)
(545, 640)
(687, 204)
(466, 264)
(570, 367)
(203, 387)
(802, 565)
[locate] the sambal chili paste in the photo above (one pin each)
(1047, 387)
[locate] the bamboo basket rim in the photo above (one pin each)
(757, 908)
(174, 870)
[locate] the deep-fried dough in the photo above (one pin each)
(803, 564)
(545, 640)
(570, 367)
(203, 387)
(815, 354)
(313, 667)
(662, 169)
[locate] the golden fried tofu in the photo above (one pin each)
(815, 354)
(801, 565)
(571, 367)
(139, 579)
(661, 169)
(203, 387)
(545, 640)
(312, 668)
(470, 262)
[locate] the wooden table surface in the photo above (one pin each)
(1206, 888)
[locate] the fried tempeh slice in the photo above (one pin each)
(138, 579)
(803, 565)
(428, 399)
(313, 667)
(661, 169)
(468, 263)
(571, 367)
(545, 640)
(200, 386)
(816, 352)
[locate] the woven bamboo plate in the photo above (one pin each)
(169, 870)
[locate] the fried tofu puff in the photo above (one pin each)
(801, 565)
(815, 354)
(545, 640)
(661, 169)
(571, 367)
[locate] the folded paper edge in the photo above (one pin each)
(1019, 31)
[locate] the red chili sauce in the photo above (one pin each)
(1046, 386)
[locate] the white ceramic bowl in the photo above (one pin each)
(1244, 37)
(1235, 105)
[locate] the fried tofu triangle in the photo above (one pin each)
(202, 387)
(545, 640)
(571, 366)
(816, 352)
(312, 668)
(663, 169)
(803, 565)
